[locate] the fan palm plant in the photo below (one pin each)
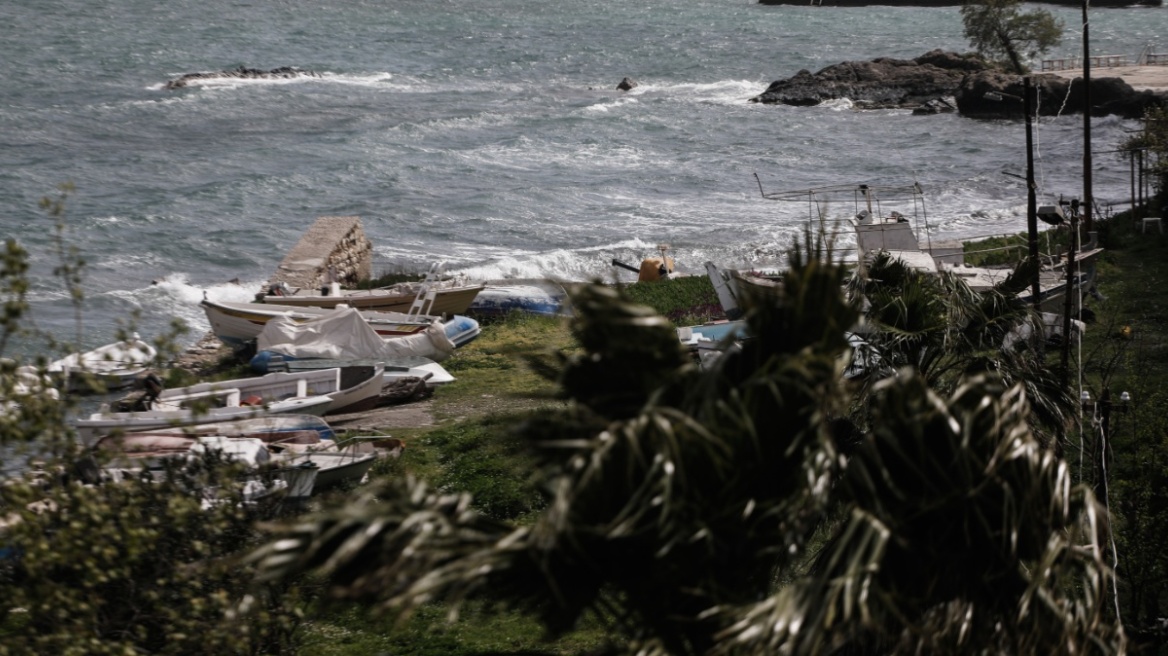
(684, 503)
(947, 332)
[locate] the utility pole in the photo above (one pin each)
(1072, 278)
(1031, 192)
(1088, 197)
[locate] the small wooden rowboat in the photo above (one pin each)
(445, 301)
(236, 324)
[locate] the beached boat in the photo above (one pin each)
(285, 453)
(23, 386)
(433, 373)
(349, 389)
(105, 421)
(110, 367)
(892, 219)
(438, 299)
(345, 334)
(542, 297)
(217, 402)
(339, 464)
(237, 324)
(291, 428)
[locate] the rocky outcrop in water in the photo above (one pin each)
(1109, 95)
(939, 81)
(243, 73)
(880, 83)
(952, 3)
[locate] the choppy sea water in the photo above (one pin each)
(487, 135)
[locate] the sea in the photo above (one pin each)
(488, 136)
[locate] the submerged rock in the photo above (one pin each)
(241, 72)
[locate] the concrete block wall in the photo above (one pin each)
(333, 247)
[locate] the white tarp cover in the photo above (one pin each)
(345, 335)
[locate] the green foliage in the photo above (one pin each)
(487, 459)
(95, 567)
(1154, 141)
(348, 630)
(946, 332)
(137, 566)
(1000, 31)
(390, 277)
(686, 300)
(679, 497)
(1124, 351)
(1009, 250)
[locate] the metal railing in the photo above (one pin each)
(1069, 63)
(1075, 63)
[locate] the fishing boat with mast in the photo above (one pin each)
(893, 219)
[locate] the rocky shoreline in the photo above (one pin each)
(940, 81)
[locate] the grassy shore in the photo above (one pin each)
(472, 447)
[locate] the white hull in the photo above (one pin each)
(114, 366)
(103, 423)
(277, 387)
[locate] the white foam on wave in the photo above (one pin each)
(530, 155)
(609, 105)
(456, 124)
(584, 263)
(838, 104)
(175, 297)
(722, 92)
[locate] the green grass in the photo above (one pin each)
(685, 301)
(1010, 249)
(474, 448)
(351, 631)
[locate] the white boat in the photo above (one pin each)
(345, 334)
(24, 386)
(138, 454)
(438, 299)
(433, 373)
(104, 421)
(337, 464)
(348, 388)
(109, 367)
(237, 324)
(291, 428)
(333, 463)
(891, 218)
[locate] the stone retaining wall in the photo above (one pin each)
(333, 249)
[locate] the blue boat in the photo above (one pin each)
(542, 297)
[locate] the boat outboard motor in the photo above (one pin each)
(152, 387)
(142, 399)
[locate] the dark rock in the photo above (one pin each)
(952, 3)
(626, 84)
(945, 105)
(883, 82)
(241, 72)
(927, 83)
(1109, 95)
